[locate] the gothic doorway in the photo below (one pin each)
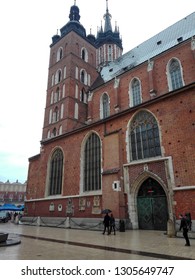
(152, 206)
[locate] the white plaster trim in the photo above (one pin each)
(65, 197)
(184, 188)
(154, 159)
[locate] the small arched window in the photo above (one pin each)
(56, 172)
(83, 76)
(135, 92)
(59, 54)
(84, 54)
(105, 106)
(57, 95)
(110, 57)
(83, 96)
(58, 76)
(175, 74)
(56, 115)
(54, 132)
(144, 137)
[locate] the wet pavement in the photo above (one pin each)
(49, 243)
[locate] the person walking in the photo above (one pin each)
(106, 224)
(112, 224)
(184, 226)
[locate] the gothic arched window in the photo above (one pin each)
(56, 115)
(83, 77)
(175, 74)
(105, 110)
(58, 76)
(57, 95)
(144, 137)
(56, 172)
(59, 54)
(84, 54)
(54, 132)
(135, 90)
(92, 164)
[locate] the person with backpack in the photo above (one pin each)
(184, 225)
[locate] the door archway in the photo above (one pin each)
(152, 206)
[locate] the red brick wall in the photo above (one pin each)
(175, 115)
(42, 208)
(185, 202)
(183, 53)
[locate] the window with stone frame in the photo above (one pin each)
(105, 106)
(144, 137)
(84, 54)
(58, 76)
(135, 98)
(59, 54)
(92, 164)
(175, 74)
(56, 173)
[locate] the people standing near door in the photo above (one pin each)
(106, 224)
(112, 224)
(184, 226)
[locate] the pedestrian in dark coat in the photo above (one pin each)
(112, 224)
(106, 224)
(184, 226)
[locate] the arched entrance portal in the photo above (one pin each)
(152, 206)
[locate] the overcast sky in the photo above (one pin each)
(26, 28)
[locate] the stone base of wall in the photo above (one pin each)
(69, 222)
(191, 233)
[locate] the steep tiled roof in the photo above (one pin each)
(166, 39)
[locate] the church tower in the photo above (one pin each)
(108, 42)
(74, 60)
(72, 70)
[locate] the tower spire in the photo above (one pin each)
(106, 5)
(74, 13)
(107, 18)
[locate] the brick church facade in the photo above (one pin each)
(119, 129)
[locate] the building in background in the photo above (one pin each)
(12, 193)
(118, 129)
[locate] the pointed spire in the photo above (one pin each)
(116, 27)
(74, 13)
(107, 18)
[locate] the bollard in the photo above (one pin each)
(170, 228)
(121, 226)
